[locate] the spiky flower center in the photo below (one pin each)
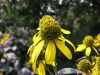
(49, 28)
(88, 41)
(98, 63)
(84, 65)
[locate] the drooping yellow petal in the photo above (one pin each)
(37, 39)
(96, 50)
(41, 68)
(80, 47)
(53, 63)
(50, 52)
(30, 48)
(63, 48)
(34, 37)
(95, 72)
(62, 38)
(34, 68)
(71, 44)
(37, 50)
(65, 31)
(88, 51)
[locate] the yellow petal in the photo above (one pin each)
(65, 31)
(34, 68)
(37, 39)
(63, 48)
(53, 63)
(41, 68)
(88, 51)
(37, 50)
(30, 48)
(80, 47)
(4, 55)
(96, 50)
(38, 28)
(5, 38)
(50, 52)
(62, 38)
(71, 44)
(80, 44)
(34, 37)
(95, 72)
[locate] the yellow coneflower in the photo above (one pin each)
(96, 69)
(50, 34)
(5, 38)
(97, 40)
(88, 43)
(4, 55)
(85, 66)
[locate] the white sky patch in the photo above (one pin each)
(17, 0)
(10, 0)
(81, 1)
(91, 4)
(49, 9)
(60, 2)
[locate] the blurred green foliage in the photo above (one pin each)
(20, 18)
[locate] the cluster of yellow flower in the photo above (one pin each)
(5, 38)
(50, 36)
(88, 44)
(45, 41)
(90, 66)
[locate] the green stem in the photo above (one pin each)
(48, 70)
(55, 68)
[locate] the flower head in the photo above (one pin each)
(5, 38)
(49, 37)
(84, 65)
(49, 28)
(88, 43)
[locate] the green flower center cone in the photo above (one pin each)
(84, 65)
(49, 28)
(88, 41)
